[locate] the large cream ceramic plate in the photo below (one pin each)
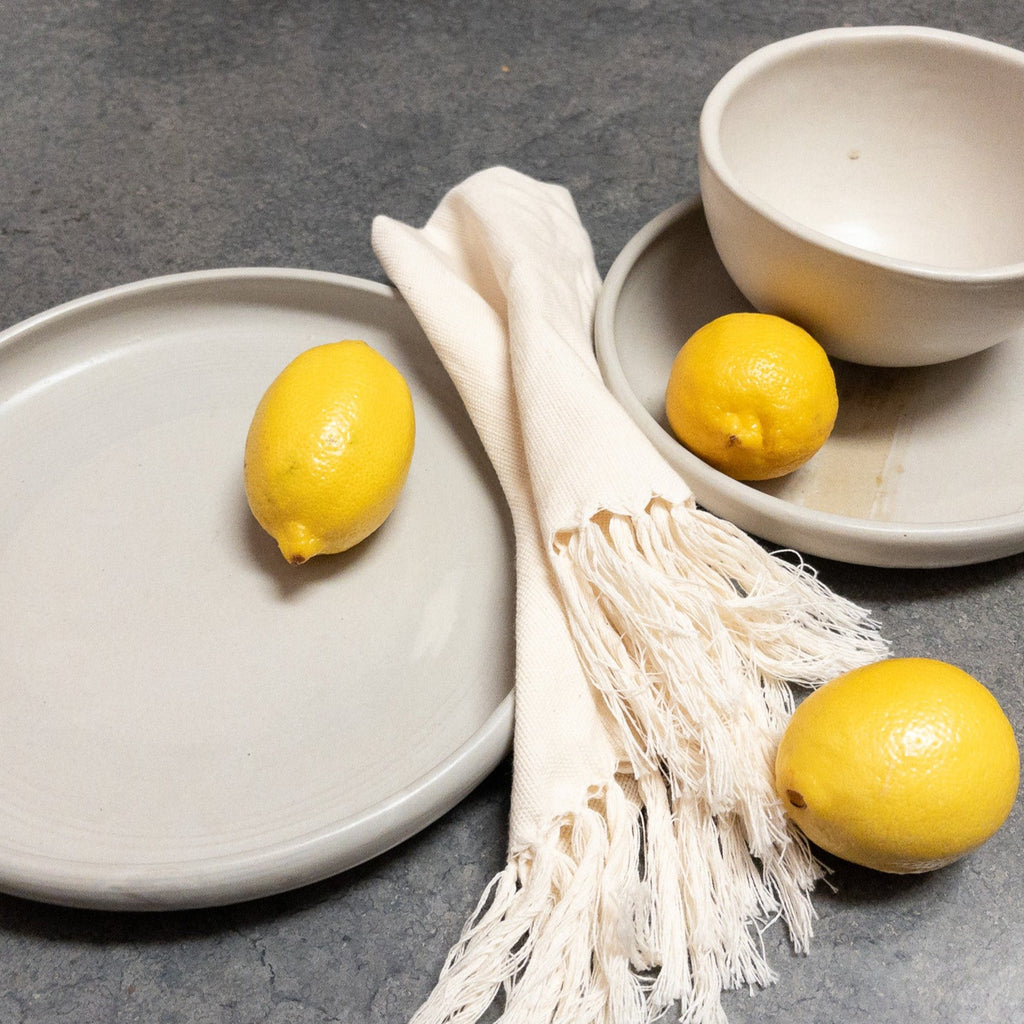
(923, 469)
(185, 719)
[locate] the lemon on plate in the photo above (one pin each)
(753, 395)
(903, 765)
(329, 449)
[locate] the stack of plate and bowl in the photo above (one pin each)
(868, 184)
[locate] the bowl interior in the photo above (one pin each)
(907, 146)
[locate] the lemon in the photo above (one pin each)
(329, 449)
(753, 395)
(903, 766)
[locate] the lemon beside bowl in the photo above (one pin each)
(868, 184)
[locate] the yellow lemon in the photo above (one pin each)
(329, 449)
(902, 766)
(752, 395)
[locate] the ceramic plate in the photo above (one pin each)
(188, 720)
(923, 468)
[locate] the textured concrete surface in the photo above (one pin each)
(144, 138)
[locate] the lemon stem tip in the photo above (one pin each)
(297, 544)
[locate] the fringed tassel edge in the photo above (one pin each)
(553, 931)
(658, 888)
(628, 906)
(692, 633)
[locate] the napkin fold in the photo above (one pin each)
(656, 648)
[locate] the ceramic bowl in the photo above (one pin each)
(868, 183)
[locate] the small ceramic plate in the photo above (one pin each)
(923, 468)
(187, 719)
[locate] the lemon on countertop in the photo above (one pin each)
(329, 449)
(903, 765)
(753, 395)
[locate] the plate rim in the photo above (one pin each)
(230, 877)
(888, 544)
(160, 282)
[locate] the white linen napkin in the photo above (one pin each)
(655, 648)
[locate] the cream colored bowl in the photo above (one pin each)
(868, 183)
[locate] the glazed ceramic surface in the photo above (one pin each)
(868, 183)
(189, 720)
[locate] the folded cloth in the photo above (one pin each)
(656, 646)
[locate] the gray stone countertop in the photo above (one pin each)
(139, 139)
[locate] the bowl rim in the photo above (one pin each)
(710, 150)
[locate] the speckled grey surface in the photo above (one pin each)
(140, 138)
